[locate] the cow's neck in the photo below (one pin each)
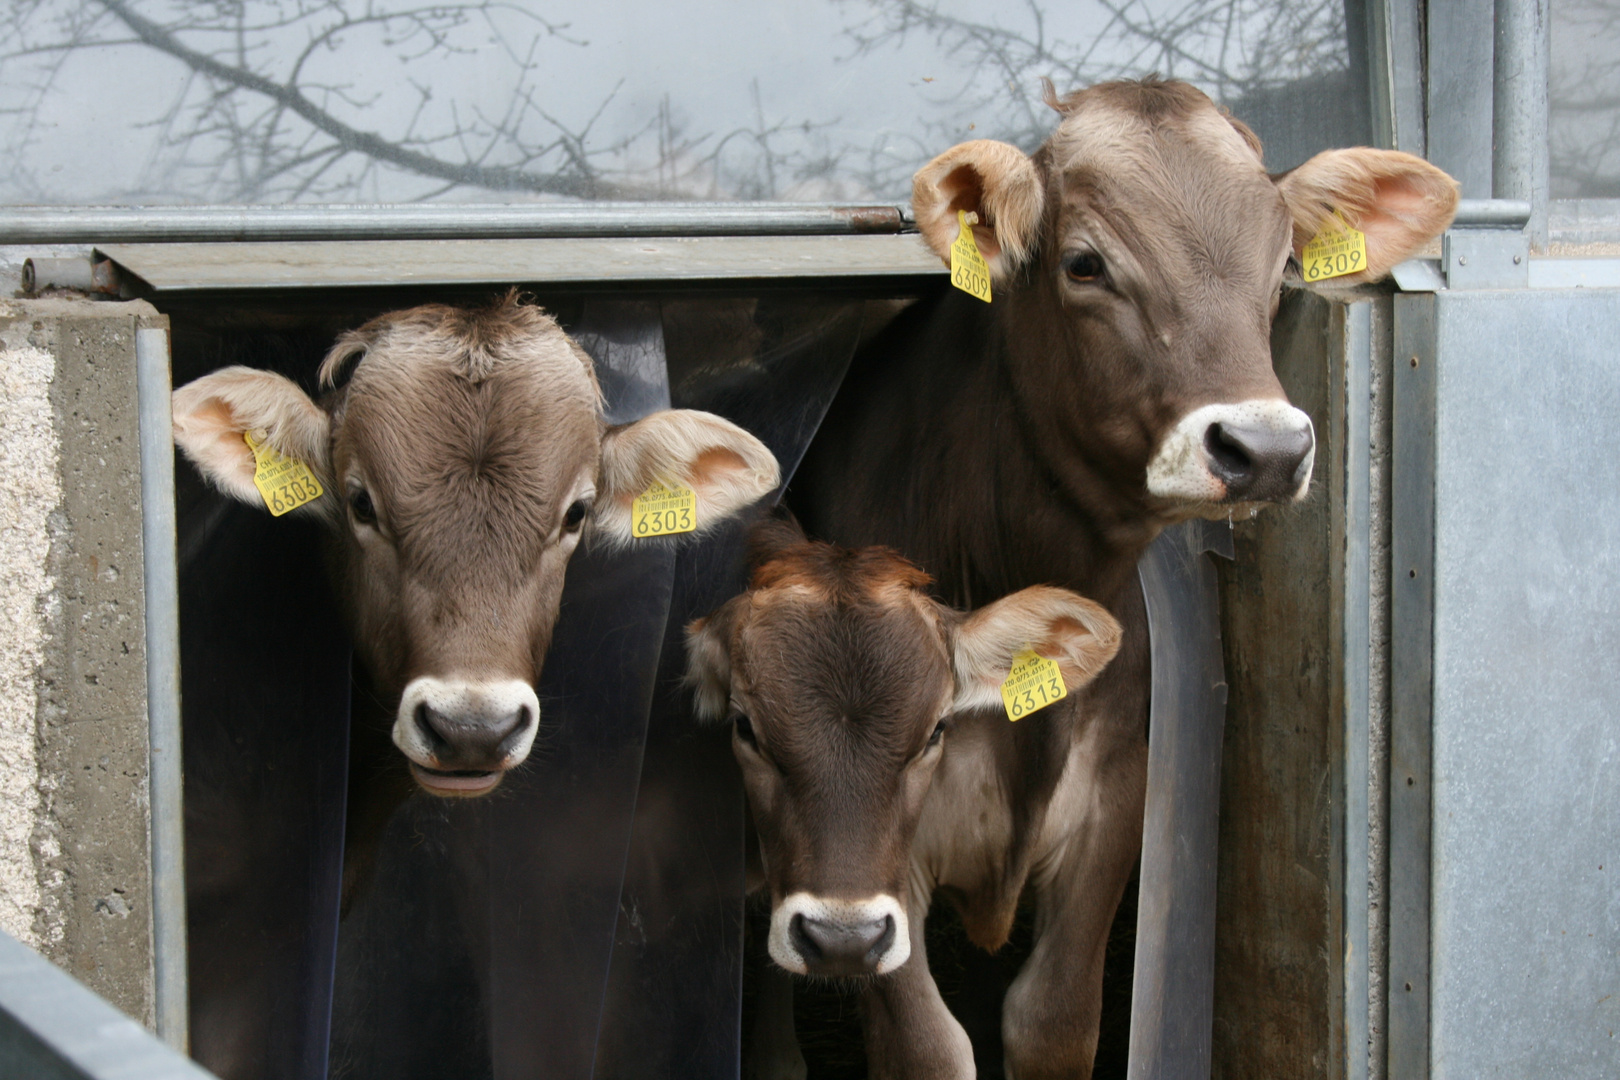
(943, 447)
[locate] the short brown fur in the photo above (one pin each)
(1006, 445)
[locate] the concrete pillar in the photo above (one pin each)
(74, 819)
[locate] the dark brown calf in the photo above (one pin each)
(868, 721)
(461, 460)
(1120, 381)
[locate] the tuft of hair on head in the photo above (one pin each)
(781, 557)
(473, 340)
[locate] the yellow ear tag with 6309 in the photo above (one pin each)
(969, 271)
(284, 483)
(1334, 252)
(663, 511)
(1033, 683)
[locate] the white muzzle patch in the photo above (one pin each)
(844, 917)
(471, 699)
(1181, 469)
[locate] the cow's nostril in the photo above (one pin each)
(1258, 463)
(512, 727)
(430, 723)
(1228, 456)
(830, 948)
(803, 942)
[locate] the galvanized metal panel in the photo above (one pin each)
(52, 1027)
(1396, 55)
(326, 264)
(1526, 709)
(1410, 695)
(1460, 91)
(1350, 353)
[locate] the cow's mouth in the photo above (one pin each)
(463, 782)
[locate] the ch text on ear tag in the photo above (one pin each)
(1334, 252)
(663, 511)
(1033, 683)
(969, 271)
(284, 483)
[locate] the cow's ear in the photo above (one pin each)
(994, 180)
(212, 414)
(726, 468)
(1398, 201)
(1056, 623)
(708, 663)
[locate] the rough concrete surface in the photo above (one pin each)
(74, 848)
(29, 494)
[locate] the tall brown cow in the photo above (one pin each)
(462, 461)
(868, 722)
(1120, 380)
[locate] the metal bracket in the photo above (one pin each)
(1486, 259)
(1487, 246)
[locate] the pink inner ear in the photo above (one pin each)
(1399, 194)
(212, 436)
(716, 459)
(965, 188)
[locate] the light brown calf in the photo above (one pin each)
(869, 724)
(463, 458)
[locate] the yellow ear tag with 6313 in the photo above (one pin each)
(663, 510)
(284, 483)
(1334, 252)
(969, 271)
(1033, 683)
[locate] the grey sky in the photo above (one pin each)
(124, 122)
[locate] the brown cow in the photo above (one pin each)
(880, 766)
(1120, 380)
(462, 461)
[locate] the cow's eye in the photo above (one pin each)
(1084, 266)
(361, 507)
(575, 517)
(745, 730)
(939, 733)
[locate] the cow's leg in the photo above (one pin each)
(773, 1045)
(1050, 1018)
(910, 1034)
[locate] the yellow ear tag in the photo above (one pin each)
(1334, 252)
(285, 483)
(664, 511)
(1033, 683)
(969, 271)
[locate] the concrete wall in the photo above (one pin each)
(74, 880)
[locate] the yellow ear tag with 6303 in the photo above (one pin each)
(1334, 252)
(284, 483)
(969, 271)
(1033, 683)
(663, 511)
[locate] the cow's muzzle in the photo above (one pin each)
(1256, 451)
(462, 735)
(815, 935)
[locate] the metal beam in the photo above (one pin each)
(163, 686)
(140, 224)
(1520, 162)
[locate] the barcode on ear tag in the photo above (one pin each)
(969, 271)
(1334, 252)
(285, 483)
(1033, 683)
(664, 511)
